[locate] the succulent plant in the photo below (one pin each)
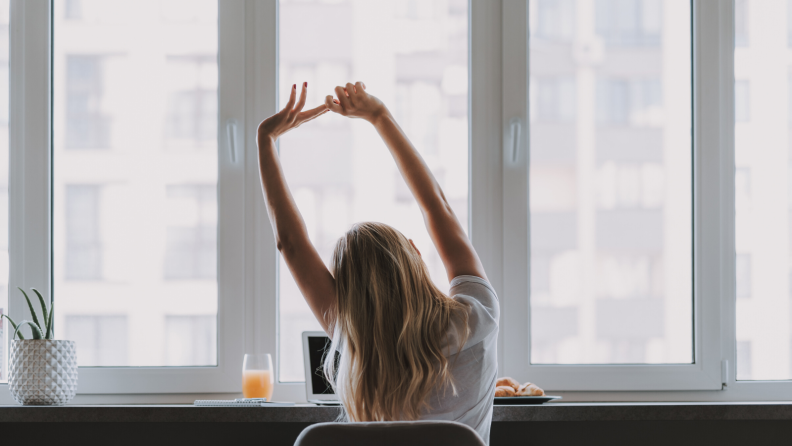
(37, 330)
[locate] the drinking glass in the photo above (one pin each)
(257, 378)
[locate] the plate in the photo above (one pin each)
(523, 400)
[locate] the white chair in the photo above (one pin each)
(397, 433)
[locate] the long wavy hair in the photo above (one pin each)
(391, 327)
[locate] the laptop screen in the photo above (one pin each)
(317, 345)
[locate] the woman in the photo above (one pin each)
(407, 351)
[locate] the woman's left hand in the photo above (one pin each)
(290, 117)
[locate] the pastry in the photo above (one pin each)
(504, 391)
(509, 382)
(529, 389)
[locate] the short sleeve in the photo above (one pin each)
(480, 296)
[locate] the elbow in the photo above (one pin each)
(440, 213)
(290, 236)
(282, 245)
(442, 201)
(285, 245)
(444, 207)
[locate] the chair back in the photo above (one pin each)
(392, 433)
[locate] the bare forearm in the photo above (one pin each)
(286, 220)
(411, 165)
(444, 228)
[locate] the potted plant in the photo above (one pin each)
(42, 371)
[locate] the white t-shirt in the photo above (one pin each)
(475, 368)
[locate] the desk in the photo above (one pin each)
(554, 423)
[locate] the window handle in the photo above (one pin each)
(231, 134)
(516, 128)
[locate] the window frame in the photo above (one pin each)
(31, 198)
(248, 261)
(28, 196)
(710, 183)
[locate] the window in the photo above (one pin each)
(72, 9)
(743, 277)
(742, 101)
(744, 360)
(192, 105)
(610, 237)
(83, 233)
(741, 26)
(418, 68)
(555, 20)
(101, 340)
(555, 99)
(135, 221)
(191, 235)
(4, 172)
(631, 102)
(630, 22)
(763, 229)
(742, 189)
(190, 340)
(789, 22)
(2, 347)
(88, 124)
(588, 144)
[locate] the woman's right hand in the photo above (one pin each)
(354, 102)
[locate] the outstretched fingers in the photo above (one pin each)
(292, 98)
(311, 114)
(303, 95)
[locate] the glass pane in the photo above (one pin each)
(610, 182)
(763, 188)
(4, 89)
(135, 180)
(412, 55)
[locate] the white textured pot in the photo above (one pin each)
(43, 372)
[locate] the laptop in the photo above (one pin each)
(317, 389)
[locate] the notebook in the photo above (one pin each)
(241, 402)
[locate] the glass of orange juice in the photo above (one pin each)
(257, 377)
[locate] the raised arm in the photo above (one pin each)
(314, 280)
(454, 247)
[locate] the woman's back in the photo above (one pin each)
(391, 327)
(475, 368)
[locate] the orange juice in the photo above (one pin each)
(257, 384)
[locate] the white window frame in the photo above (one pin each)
(711, 377)
(248, 266)
(30, 197)
(704, 373)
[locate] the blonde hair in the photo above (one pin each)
(390, 323)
